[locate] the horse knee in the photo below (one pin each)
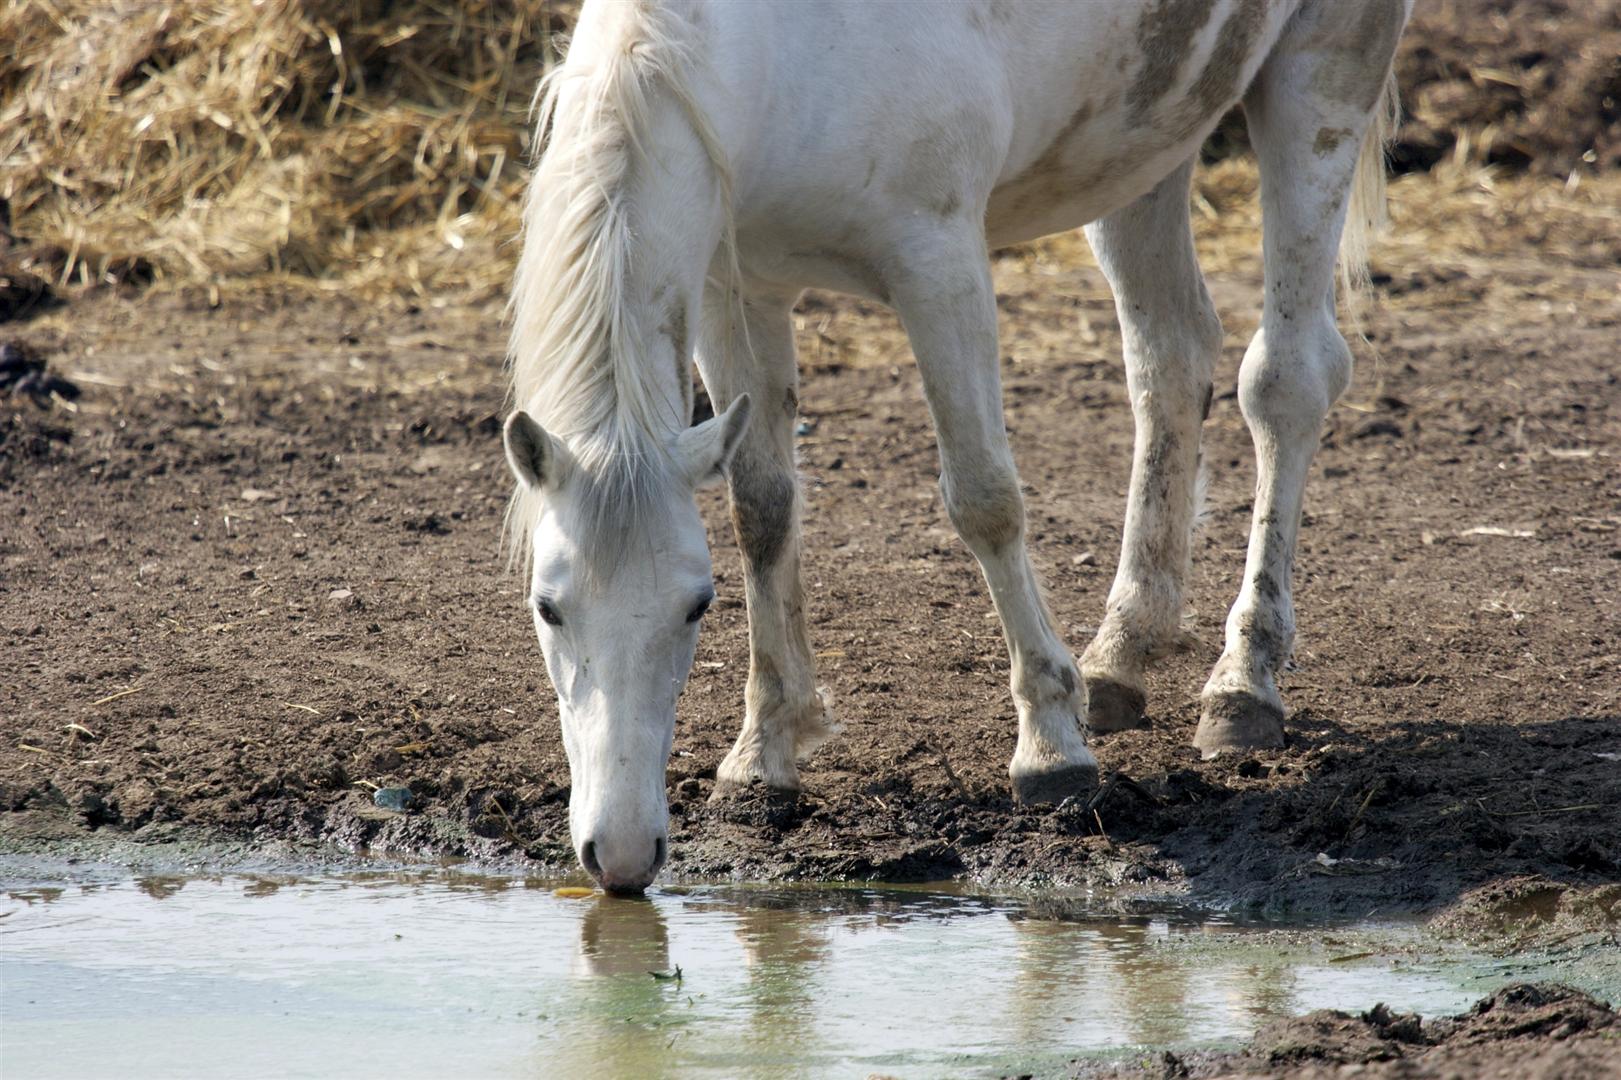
(1189, 335)
(763, 504)
(985, 507)
(1170, 363)
(1289, 380)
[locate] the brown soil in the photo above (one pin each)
(1522, 1032)
(255, 573)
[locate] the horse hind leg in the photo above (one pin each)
(1172, 339)
(1308, 111)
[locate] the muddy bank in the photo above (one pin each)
(1522, 1031)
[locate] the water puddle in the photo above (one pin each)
(443, 974)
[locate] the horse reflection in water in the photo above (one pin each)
(1121, 981)
(622, 938)
(1051, 975)
(641, 1017)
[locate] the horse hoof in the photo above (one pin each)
(1055, 785)
(1112, 706)
(1238, 721)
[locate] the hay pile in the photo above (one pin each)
(362, 142)
(378, 145)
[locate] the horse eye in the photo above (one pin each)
(548, 614)
(698, 612)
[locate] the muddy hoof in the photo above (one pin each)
(1238, 722)
(1112, 706)
(1056, 785)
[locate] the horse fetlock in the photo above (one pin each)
(815, 723)
(1112, 668)
(1047, 684)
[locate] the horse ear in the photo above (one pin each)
(707, 449)
(536, 459)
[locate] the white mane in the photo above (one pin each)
(576, 363)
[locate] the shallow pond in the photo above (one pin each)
(447, 974)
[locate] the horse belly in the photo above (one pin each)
(1087, 185)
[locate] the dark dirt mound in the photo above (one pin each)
(1530, 84)
(1525, 85)
(1522, 1031)
(1528, 912)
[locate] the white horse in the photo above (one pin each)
(706, 161)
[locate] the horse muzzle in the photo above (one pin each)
(624, 868)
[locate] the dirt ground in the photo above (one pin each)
(253, 573)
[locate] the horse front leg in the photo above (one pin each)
(749, 348)
(944, 296)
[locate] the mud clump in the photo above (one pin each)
(1524, 84)
(1329, 1035)
(24, 373)
(22, 294)
(1532, 911)
(1526, 1030)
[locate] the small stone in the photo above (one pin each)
(345, 599)
(397, 799)
(1085, 558)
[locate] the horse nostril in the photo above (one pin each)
(588, 858)
(660, 852)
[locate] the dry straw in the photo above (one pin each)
(365, 144)
(377, 146)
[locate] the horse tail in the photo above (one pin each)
(1367, 214)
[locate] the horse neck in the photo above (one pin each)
(677, 218)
